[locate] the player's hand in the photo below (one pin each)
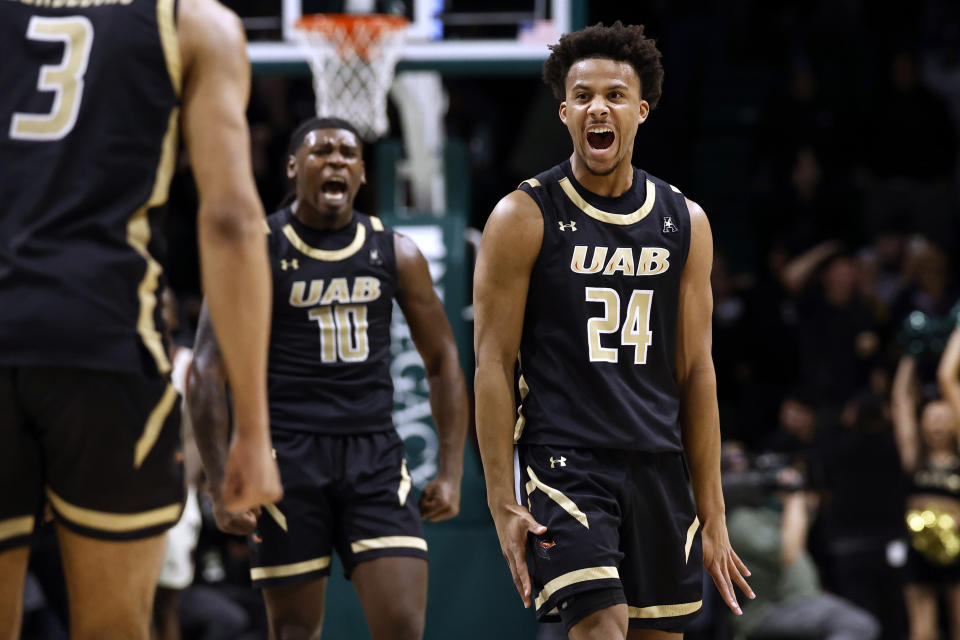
(239, 523)
(725, 567)
(440, 499)
(514, 523)
(251, 477)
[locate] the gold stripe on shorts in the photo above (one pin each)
(389, 542)
(580, 575)
(692, 531)
(557, 496)
(13, 527)
(665, 610)
(151, 430)
(405, 483)
(114, 522)
(277, 515)
(285, 570)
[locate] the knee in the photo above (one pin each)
(294, 628)
(407, 624)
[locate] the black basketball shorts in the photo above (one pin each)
(101, 448)
(349, 493)
(614, 519)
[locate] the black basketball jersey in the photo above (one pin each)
(88, 115)
(600, 328)
(329, 369)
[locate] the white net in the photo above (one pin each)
(352, 59)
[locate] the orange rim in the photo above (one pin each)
(351, 32)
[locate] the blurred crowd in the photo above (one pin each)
(822, 140)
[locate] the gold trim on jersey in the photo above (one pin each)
(138, 237)
(405, 482)
(604, 216)
(154, 425)
(567, 579)
(664, 610)
(521, 419)
(376, 224)
(277, 515)
(388, 542)
(675, 190)
(115, 522)
(533, 182)
(13, 527)
(691, 532)
(266, 227)
(167, 23)
(324, 254)
(557, 496)
(284, 570)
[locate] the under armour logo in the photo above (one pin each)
(375, 257)
(668, 225)
(289, 264)
(557, 461)
(563, 227)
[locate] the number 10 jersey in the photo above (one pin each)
(329, 367)
(597, 355)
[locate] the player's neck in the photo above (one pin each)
(610, 185)
(322, 220)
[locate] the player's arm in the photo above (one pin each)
(233, 254)
(948, 371)
(903, 409)
(510, 245)
(433, 337)
(207, 403)
(700, 417)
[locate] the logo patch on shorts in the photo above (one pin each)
(544, 547)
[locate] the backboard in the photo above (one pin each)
(450, 36)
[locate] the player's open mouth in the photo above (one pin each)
(600, 137)
(334, 188)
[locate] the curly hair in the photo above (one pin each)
(620, 42)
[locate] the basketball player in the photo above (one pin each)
(90, 95)
(336, 273)
(598, 275)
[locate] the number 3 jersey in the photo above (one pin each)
(88, 143)
(329, 368)
(597, 355)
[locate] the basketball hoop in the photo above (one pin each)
(352, 58)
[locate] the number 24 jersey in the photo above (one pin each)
(597, 354)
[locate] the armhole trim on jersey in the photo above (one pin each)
(532, 182)
(167, 24)
(266, 227)
(376, 224)
(606, 216)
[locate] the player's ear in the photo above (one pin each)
(563, 112)
(644, 110)
(291, 167)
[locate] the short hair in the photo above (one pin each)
(296, 138)
(619, 42)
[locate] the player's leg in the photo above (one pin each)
(953, 605)
(295, 611)
(20, 498)
(921, 611)
(115, 485)
(653, 634)
(290, 549)
(110, 584)
(13, 572)
(393, 592)
(380, 536)
(609, 623)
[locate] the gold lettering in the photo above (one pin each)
(653, 261)
(365, 289)
(622, 261)
(579, 260)
(297, 298)
(338, 291)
